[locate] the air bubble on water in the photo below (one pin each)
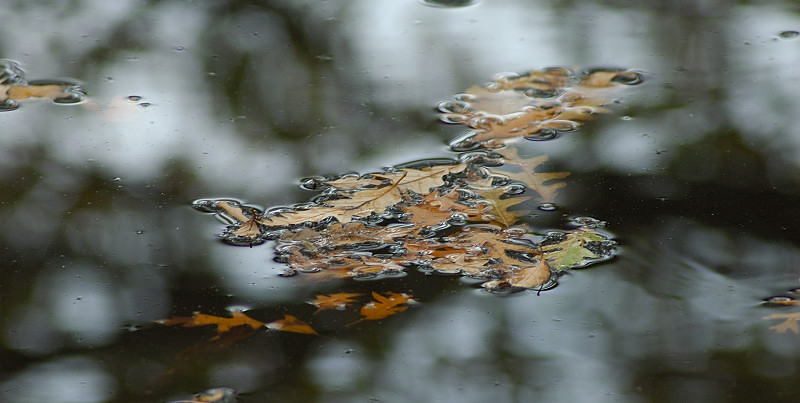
(144, 104)
(627, 118)
(455, 107)
(465, 97)
(453, 119)
(139, 232)
(134, 98)
(8, 105)
(629, 78)
(542, 134)
(788, 34)
(588, 222)
(11, 73)
(514, 189)
(547, 207)
(312, 183)
(449, 3)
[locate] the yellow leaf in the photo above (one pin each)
(334, 301)
(384, 306)
(290, 323)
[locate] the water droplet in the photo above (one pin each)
(547, 207)
(629, 78)
(788, 34)
(134, 98)
(544, 133)
(449, 3)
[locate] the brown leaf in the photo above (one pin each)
(334, 301)
(383, 307)
(540, 182)
(290, 323)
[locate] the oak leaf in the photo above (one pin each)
(337, 301)
(384, 306)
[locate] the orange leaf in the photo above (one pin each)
(291, 324)
(334, 301)
(223, 324)
(383, 307)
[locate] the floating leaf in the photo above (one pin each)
(384, 306)
(338, 301)
(14, 87)
(537, 105)
(290, 323)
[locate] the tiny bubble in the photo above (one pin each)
(547, 207)
(134, 98)
(144, 104)
(138, 231)
(788, 34)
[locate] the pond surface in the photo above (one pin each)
(696, 173)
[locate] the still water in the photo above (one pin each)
(695, 172)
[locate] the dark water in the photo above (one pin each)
(695, 172)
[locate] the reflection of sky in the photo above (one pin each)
(411, 57)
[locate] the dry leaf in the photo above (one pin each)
(290, 323)
(383, 307)
(337, 301)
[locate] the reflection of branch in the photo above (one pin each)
(789, 323)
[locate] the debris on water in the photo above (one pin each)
(14, 88)
(538, 105)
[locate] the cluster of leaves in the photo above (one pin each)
(790, 320)
(538, 105)
(14, 88)
(463, 216)
(454, 217)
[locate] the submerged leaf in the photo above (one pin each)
(789, 322)
(223, 324)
